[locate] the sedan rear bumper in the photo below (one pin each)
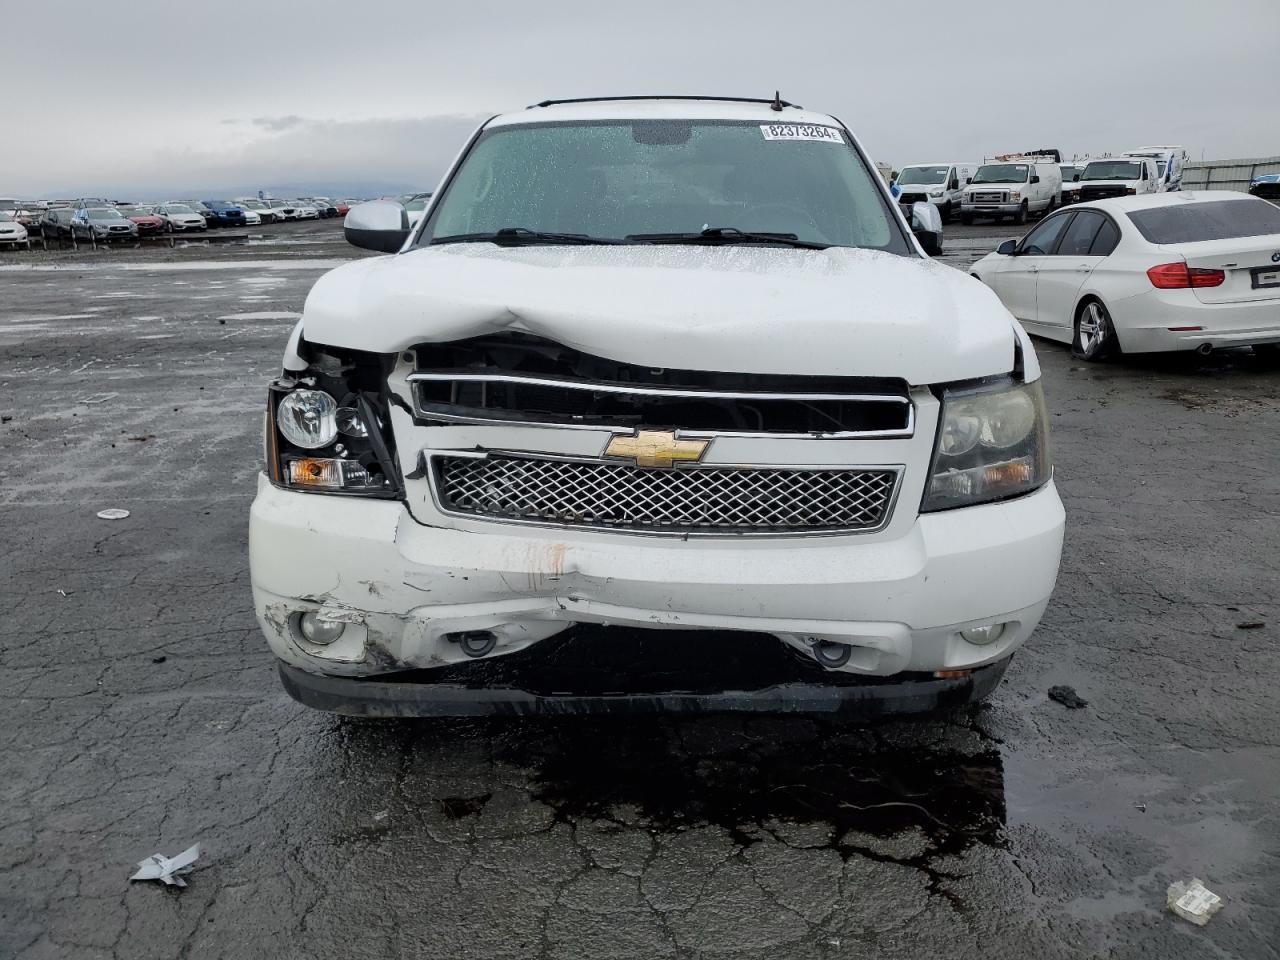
(1168, 320)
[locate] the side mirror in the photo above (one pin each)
(1076, 178)
(1008, 249)
(381, 225)
(968, 180)
(1035, 178)
(954, 185)
(926, 224)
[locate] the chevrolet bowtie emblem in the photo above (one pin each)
(655, 448)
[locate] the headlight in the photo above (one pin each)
(308, 419)
(1015, 195)
(992, 444)
(329, 430)
(935, 192)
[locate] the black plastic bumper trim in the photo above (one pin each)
(389, 698)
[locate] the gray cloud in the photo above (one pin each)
(275, 124)
(392, 100)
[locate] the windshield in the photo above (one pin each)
(1213, 220)
(1113, 170)
(1002, 173)
(6, 217)
(178, 208)
(102, 213)
(619, 179)
(1161, 166)
(922, 175)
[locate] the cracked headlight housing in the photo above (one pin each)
(328, 428)
(992, 444)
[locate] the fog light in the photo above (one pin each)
(980, 636)
(317, 631)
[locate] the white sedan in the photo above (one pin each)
(12, 233)
(306, 210)
(1159, 271)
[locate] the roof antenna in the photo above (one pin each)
(777, 102)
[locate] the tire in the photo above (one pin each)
(1021, 216)
(1094, 335)
(1048, 209)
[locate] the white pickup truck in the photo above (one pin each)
(664, 364)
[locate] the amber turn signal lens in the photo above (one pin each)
(1011, 473)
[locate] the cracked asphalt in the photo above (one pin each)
(140, 711)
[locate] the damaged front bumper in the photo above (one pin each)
(409, 594)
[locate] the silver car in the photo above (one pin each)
(179, 217)
(102, 223)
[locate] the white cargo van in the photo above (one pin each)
(941, 184)
(1013, 186)
(1170, 161)
(1118, 177)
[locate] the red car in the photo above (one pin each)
(342, 207)
(149, 225)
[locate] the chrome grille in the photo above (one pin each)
(988, 196)
(695, 499)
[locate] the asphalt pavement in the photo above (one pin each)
(140, 710)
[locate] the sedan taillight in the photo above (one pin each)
(1178, 276)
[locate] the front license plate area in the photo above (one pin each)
(1266, 277)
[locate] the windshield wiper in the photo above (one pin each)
(728, 235)
(514, 236)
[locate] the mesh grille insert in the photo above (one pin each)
(619, 496)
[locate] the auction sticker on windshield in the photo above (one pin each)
(800, 131)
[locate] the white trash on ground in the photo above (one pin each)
(112, 513)
(1192, 900)
(168, 869)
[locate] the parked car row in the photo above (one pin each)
(97, 219)
(1037, 182)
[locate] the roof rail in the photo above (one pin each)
(774, 100)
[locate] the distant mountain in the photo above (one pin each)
(339, 189)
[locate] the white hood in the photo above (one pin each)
(834, 312)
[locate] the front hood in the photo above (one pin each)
(1110, 183)
(834, 312)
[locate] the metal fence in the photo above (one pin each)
(1227, 174)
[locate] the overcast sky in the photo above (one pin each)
(152, 97)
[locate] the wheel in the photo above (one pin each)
(1048, 209)
(1095, 335)
(966, 219)
(1021, 217)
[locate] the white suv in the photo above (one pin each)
(660, 364)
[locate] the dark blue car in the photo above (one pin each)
(226, 214)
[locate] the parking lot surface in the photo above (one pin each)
(140, 711)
